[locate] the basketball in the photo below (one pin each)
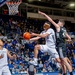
(26, 35)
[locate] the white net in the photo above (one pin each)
(13, 7)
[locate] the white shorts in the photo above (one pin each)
(5, 70)
(51, 51)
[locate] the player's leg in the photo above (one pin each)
(42, 48)
(60, 52)
(67, 65)
(36, 49)
(58, 60)
(64, 69)
(55, 54)
(59, 68)
(63, 56)
(6, 71)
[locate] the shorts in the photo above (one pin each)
(31, 73)
(5, 70)
(62, 51)
(51, 51)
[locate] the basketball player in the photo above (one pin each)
(61, 34)
(50, 46)
(4, 69)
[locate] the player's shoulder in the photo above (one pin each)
(43, 32)
(5, 49)
(50, 29)
(63, 28)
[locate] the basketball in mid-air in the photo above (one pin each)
(26, 35)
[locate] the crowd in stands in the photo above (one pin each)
(14, 42)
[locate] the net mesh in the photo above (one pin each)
(13, 6)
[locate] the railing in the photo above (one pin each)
(55, 13)
(49, 10)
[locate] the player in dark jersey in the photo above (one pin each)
(60, 35)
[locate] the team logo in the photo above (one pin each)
(2, 2)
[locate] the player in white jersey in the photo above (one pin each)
(50, 45)
(4, 69)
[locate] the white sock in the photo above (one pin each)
(35, 59)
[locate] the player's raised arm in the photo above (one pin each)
(40, 35)
(68, 37)
(34, 39)
(49, 18)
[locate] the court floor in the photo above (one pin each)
(47, 73)
(52, 73)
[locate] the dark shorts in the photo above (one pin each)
(31, 73)
(61, 50)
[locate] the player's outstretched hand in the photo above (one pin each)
(41, 13)
(33, 34)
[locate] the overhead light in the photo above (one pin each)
(39, 0)
(72, 4)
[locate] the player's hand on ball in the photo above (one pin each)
(33, 34)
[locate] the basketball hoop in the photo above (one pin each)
(13, 6)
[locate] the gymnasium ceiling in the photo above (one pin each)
(62, 4)
(53, 3)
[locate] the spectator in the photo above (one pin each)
(24, 71)
(73, 61)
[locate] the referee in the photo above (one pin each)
(31, 69)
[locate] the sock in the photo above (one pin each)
(60, 71)
(35, 59)
(65, 74)
(71, 73)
